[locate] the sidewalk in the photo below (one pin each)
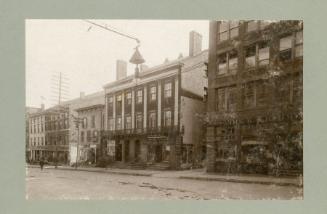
(196, 174)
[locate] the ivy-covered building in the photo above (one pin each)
(254, 108)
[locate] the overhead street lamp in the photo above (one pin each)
(136, 58)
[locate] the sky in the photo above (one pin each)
(86, 56)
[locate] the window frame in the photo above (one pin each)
(166, 119)
(168, 91)
(139, 96)
(227, 32)
(153, 94)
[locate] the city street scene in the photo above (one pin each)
(164, 109)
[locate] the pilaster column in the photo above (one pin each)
(159, 104)
(123, 111)
(145, 107)
(114, 110)
(176, 103)
(133, 109)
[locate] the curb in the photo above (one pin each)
(241, 181)
(101, 171)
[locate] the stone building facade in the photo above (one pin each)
(152, 118)
(254, 118)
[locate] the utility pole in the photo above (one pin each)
(77, 121)
(59, 88)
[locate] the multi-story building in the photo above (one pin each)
(86, 106)
(89, 132)
(254, 118)
(154, 116)
(48, 135)
(57, 134)
(28, 112)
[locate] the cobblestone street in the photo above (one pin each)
(70, 184)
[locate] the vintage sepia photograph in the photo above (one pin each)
(164, 109)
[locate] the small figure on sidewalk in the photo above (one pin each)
(41, 163)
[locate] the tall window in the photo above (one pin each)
(221, 102)
(129, 98)
(232, 61)
(285, 48)
(153, 93)
(88, 135)
(82, 136)
(261, 94)
(248, 95)
(250, 53)
(118, 124)
(93, 121)
(110, 106)
(167, 90)
(152, 119)
(128, 123)
(84, 124)
(139, 121)
(263, 53)
(139, 98)
(299, 44)
(222, 63)
(167, 118)
(111, 124)
(231, 94)
(228, 30)
(119, 103)
(228, 62)
(226, 99)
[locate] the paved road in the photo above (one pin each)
(64, 184)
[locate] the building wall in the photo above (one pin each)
(91, 132)
(193, 73)
(246, 102)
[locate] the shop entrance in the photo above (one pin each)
(158, 153)
(126, 150)
(137, 150)
(118, 152)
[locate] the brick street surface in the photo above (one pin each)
(95, 183)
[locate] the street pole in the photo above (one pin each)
(77, 147)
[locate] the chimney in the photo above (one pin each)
(121, 69)
(195, 43)
(81, 94)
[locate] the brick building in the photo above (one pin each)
(151, 118)
(89, 132)
(29, 111)
(48, 135)
(254, 118)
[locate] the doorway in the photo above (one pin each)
(118, 152)
(158, 153)
(137, 150)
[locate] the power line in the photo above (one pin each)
(113, 30)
